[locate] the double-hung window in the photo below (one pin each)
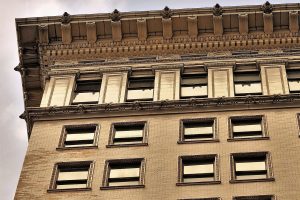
(140, 87)
(76, 136)
(87, 91)
(293, 76)
(128, 133)
(247, 83)
(251, 167)
(198, 169)
(247, 127)
(124, 173)
(72, 175)
(193, 85)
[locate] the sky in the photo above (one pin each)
(13, 136)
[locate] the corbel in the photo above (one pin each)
(91, 32)
(267, 9)
(192, 26)
(294, 21)
(217, 19)
(243, 23)
(142, 29)
(43, 34)
(116, 28)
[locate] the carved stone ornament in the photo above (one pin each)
(115, 15)
(217, 10)
(267, 7)
(166, 13)
(66, 18)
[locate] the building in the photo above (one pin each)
(174, 104)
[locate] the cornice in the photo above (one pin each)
(33, 114)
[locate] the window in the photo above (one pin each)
(251, 167)
(72, 175)
(127, 173)
(197, 130)
(199, 169)
(76, 136)
(140, 88)
(193, 85)
(87, 92)
(247, 83)
(128, 134)
(259, 197)
(247, 128)
(293, 76)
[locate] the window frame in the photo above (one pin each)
(139, 88)
(292, 79)
(64, 133)
(240, 82)
(181, 139)
(265, 133)
(75, 88)
(106, 173)
(268, 162)
(180, 180)
(254, 197)
(55, 173)
(132, 123)
(191, 75)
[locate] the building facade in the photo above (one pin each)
(174, 104)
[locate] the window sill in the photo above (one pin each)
(252, 180)
(121, 187)
(75, 148)
(69, 190)
(198, 183)
(198, 141)
(126, 145)
(247, 139)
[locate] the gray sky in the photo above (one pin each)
(13, 137)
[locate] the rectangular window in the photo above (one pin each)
(72, 175)
(87, 92)
(199, 169)
(140, 88)
(128, 134)
(197, 130)
(124, 173)
(193, 85)
(293, 76)
(251, 167)
(247, 127)
(259, 197)
(77, 136)
(247, 83)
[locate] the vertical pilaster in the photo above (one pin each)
(192, 26)
(167, 28)
(142, 29)
(43, 34)
(66, 33)
(116, 30)
(294, 21)
(243, 23)
(268, 23)
(91, 33)
(218, 24)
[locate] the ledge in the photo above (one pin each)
(253, 180)
(126, 145)
(75, 148)
(198, 141)
(69, 190)
(247, 139)
(121, 187)
(199, 183)
(32, 114)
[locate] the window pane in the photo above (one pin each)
(80, 136)
(140, 94)
(198, 130)
(86, 97)
(248, 88)
(125, 172)
(294, 85)
(194, 91)
(88, 86)
(129, 133)
(250, 166)
(123, 183)
(72, 175)
(70, 186)
(198, 169)
(252, 176)
(247, 128)
(198, 179)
